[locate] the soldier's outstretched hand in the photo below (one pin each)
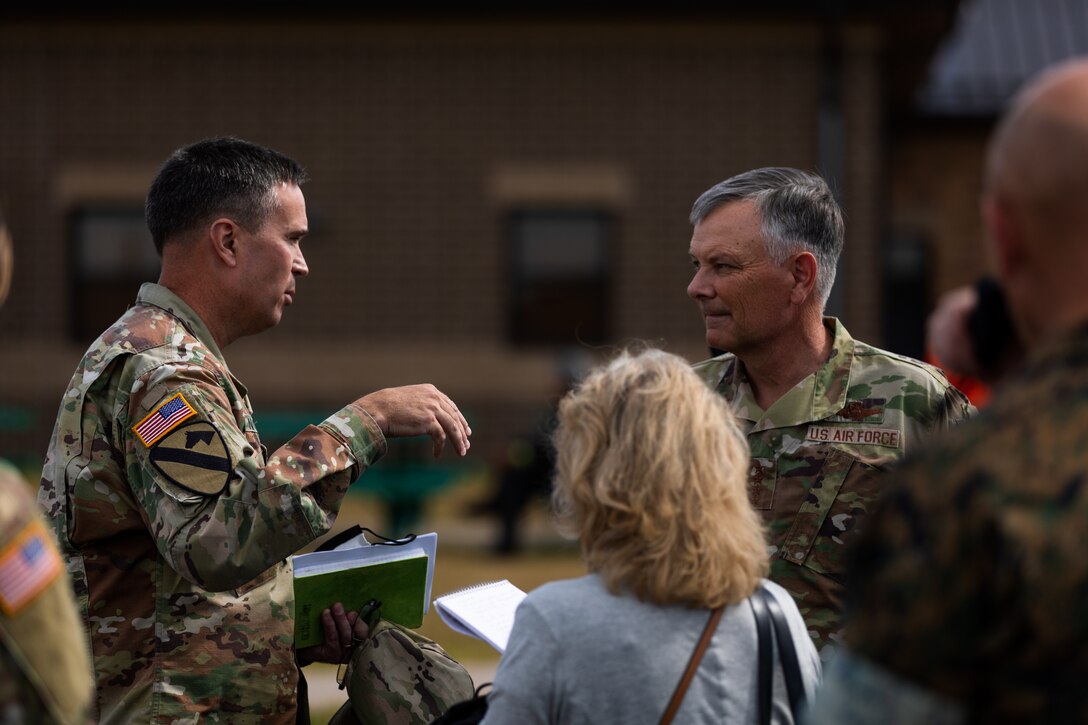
(419, 410)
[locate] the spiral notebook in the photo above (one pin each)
(357, 571)
(485, 611)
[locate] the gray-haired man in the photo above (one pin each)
(825, 414)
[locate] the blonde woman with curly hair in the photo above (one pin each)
(651, 475)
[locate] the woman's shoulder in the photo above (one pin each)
(585, 600)
(582, 604)
(563, 590)
(558, 606)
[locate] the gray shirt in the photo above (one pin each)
(578, 654)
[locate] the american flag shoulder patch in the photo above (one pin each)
(163, 419)
(28, 565)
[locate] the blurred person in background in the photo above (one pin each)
(970, 336)
(651, 477)
(175, 521)
(45, 668)
(825, 415)
(524, 473)
(969, 594)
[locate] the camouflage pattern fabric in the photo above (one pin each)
(819, 455)
(45, 669)
(176, 523)
(972, 579)
(400, 677)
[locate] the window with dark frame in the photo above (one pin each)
(112, 255)
(559, 276)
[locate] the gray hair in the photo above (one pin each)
(797, 210)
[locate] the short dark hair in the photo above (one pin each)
(217, 176)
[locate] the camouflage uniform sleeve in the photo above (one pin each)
(219, 512)
(954, 409)
(45, 667)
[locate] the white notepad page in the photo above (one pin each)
(485, 611)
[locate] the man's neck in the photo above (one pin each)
(202, 304)
(774, 371)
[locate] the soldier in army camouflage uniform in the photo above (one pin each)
(173, 518)
(825, 415)
(45, 669)
(45, 672)
(969, 599)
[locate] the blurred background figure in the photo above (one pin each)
(45, 669)
(651, 476)
(971, 337)
(524, 473)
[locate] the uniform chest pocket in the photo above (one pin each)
(840, 492)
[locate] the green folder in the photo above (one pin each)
(399, 583)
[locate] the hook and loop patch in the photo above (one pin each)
(169, 414)
(195, 457)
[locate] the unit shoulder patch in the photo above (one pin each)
(195, 457)
(166, 417)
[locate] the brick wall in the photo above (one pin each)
(408, 132)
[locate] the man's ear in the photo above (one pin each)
(803, 268)
(224, 239)
(1004, 237)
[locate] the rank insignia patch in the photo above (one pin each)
(866, 410)
(194, 457)
(28, 565)
(163, 419)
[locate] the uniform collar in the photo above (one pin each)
(161, 297)
(818, 396)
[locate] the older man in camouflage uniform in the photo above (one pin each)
(969, 602)
(174, 519)
(825, 415)
(45, 668)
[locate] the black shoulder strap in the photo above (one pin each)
(787, 653)
(763, 631)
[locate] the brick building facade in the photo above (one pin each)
(436, 150)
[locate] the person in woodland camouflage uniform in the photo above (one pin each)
(45, 668)
(825, 415)
(173, 518)
(969, 599)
